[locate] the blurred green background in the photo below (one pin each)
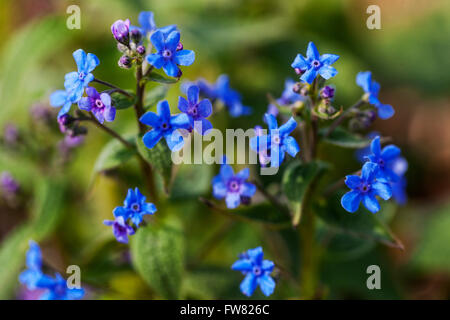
(254, 42)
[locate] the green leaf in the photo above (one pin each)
(183, 188)
(113, 154)
(263, 213)
(156, 77)
(342, 138)
(433, 253)
(121, 102)
(155, 95)
(157, 255)
(159, 157)
(297, 179)
(48, 213)
(362, 224)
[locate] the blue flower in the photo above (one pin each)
(134, 207)
(148, 25)
(64, 99)
(315, 64)
(57, 289)
(196, 110)
(120, 229)
(165, 125)
(33, 273)
(230, 97)
(98, 104)
(76, 81)
(384, 158)
(222, 91)
(232, 187)
(365, 188)
(278, 141)
(372, 89)
(287, 98)
(167, 56)
(257, 272)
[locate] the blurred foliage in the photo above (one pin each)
(254, 42)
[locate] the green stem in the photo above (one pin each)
(116, 88)
(108, 131)
(344, 115)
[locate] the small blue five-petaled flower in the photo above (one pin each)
(167, 56)
(75, 81)
(55, 288)
(278, 141)
(196, 110)
(257, 272)
(233, 187)
(165, 125)
(134, 207)
(365, 188)
(314, 64)
(372, 89)
(98, 104)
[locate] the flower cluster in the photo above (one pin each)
(75, 82)
(54, 288)
(257, 272)
(222, 91)
(380, 176)
(133, 210)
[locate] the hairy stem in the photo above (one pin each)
(344, 115)
(116, 88)
(111, 132)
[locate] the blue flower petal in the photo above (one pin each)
(364, 80)
(369, 171)
(328, 59)
(91, 62)
(267, 284)
(183, 104)
(80, 59)
(150, 119)
(58, 98)
(311, 52)
(248, 285)
(385, 111)
(226, 172)
(371, 203)
(309, 75)
(242, 265)
(300, 62)
(174, 140)
(350, 201)
(193, 94)
(155, 60)
(185, 57)
(352, 181)
(158, 41)
(256, 255)
(204, 108)
(172, 41)
(171, 69)
(243, 174)
(219, 190)
(288, 127)
(271, 121)
(327, 72)
(151, 138)
(248, 189)
(382, 189)
(233, 200)
(291, 146)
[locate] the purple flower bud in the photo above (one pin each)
(299, 71)
(327, 92)
(8, 184)
(11, 134)
(64, 123)
(136, 35)
(140, 50)
(121, 31)
(179, 46)
(125, 62)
